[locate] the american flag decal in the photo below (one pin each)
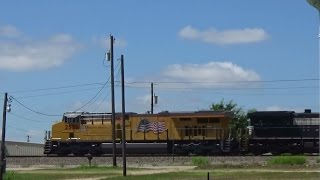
(157, 127)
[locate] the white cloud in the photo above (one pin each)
(37, 55)
(104, 42)
(275, 108)
(9, 31)
(233, 36)
(209, 73)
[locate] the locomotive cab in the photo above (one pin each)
(72, 123)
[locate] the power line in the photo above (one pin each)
(93, 96)
(100, 103)
(57, 93)
(55, 88)
(27, 119)
(99, 93)
(23, 130)
(160, 82)
(37, 112)
(244, 94)
(247, 88)
(209, 82)
(95, 99)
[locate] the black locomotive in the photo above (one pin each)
(283, 132)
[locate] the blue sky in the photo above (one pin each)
(260, 54)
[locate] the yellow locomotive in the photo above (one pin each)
(196, 132)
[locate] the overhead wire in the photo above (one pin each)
(100, 103)
(57, 93)
(23, 130)
(242, 94)
(246, 88)
(130, 85)
(37, 112)
(92, 97)
(118, 76)
(55, 88)
(27, 119)
(95, 98)
(200, 82)
(158, 82)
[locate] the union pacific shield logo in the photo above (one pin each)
(146, 125)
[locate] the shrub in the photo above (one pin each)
(318, 160)
(10, 175)
(288, 160)
(200, 161)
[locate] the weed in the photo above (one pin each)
(201, 162)
(288, 160)
(10, 175)
(83, 166)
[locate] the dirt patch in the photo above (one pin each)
(161, 169)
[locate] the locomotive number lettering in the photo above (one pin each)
(72, 126)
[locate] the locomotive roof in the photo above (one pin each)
(188, 113)
(164, 113)
(271, 114)
(290, 114)
(307, 115)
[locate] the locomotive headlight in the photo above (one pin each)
(250, 129)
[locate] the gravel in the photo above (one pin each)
(17, 162)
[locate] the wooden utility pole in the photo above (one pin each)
(3, 140)
(124, 165)
(151, 98)
(112, 105)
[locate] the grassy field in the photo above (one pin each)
(94, 173)
(64, 173)
(278, 167)
(224, 175)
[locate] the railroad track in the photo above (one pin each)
(158, 155)
(138, 161)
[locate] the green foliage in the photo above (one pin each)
(288, 160)
(10, 175)
(216, 172)
(286, 154)
(200, 161)
(318, 160)
(221, 174)
(239, 120)
(84, 166)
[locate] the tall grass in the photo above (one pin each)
(10, 175)
(288, 160)
(202, 162)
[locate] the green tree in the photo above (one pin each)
(239, 119)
